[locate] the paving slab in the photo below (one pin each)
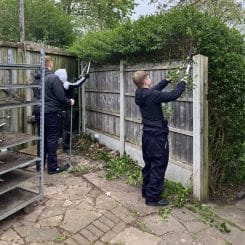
(88, 209)
(135, 236)
(127, 195)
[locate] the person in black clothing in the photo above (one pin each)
(55, 103)
(155, 146)
(68, 87)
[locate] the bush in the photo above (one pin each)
(170, 36)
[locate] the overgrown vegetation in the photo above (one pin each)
(170, 36)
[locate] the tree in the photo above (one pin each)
(44, 22)
(97, 15)
(229, 11)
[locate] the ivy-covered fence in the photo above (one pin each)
(111, 115)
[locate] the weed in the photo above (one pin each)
(208, 216)
(79, 169)
(142, 226)
(176, 194)
(134, 213)
(60, 238)
(164, 213)
(123, 166)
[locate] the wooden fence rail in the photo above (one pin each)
(110, 113)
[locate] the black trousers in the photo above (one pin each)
(52, 127)
(66, 129)
(155, 149)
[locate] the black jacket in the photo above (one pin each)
(55, 99)
(149, 101)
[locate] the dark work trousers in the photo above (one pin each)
(52, 124)
(155, 149)
(37, 119)
(66, 129)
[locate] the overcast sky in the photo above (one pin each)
(143, 8)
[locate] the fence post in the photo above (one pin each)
(200, 128)
(83, 109)
(122, 110)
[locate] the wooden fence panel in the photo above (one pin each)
(110, 110)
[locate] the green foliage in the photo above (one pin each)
(123, 166)
(176, 194)
(97, 15)
(170, 36)
(44, 22)
(164, 213)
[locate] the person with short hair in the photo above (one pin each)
(55, 103)
(155, 147)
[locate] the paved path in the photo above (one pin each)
(88, 209)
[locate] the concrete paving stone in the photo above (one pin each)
(129, 219)
(106, 221)
(67, 203)
(210, 236)
(77, 193)
(54, 203)
(83, 205)
(5, 243)
(133, 236)
(99, 243)
(42, 234)
(236, 236)
(70, 241)
(24, 228)
(129, 196)
(52, 221)
(105, 202)
(52, 190)
(101, 226)
(95, 230)
(33, 216)
(89, 235)
(159, 227)
(184, 214)
(120, 211)
(173, 238)
(8, 223)
(195, 226)
(10, 236)
(80, 239)
(49, 212)
(76, 182)
(94, 192)
(76, 220)
(241, 204)
(112, 217)
(231, 213)
(108, 236)
(119, 227)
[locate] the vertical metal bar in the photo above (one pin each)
(83, 108)
(79, 101)
(42, 114)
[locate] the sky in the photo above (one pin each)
(143, 9)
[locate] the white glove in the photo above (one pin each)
(72, 101)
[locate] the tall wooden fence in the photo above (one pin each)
(28, 53)
(110, 114)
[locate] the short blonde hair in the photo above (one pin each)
(48, 61)
(139, 77)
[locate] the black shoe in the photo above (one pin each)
(161, 202)
(59, 169)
